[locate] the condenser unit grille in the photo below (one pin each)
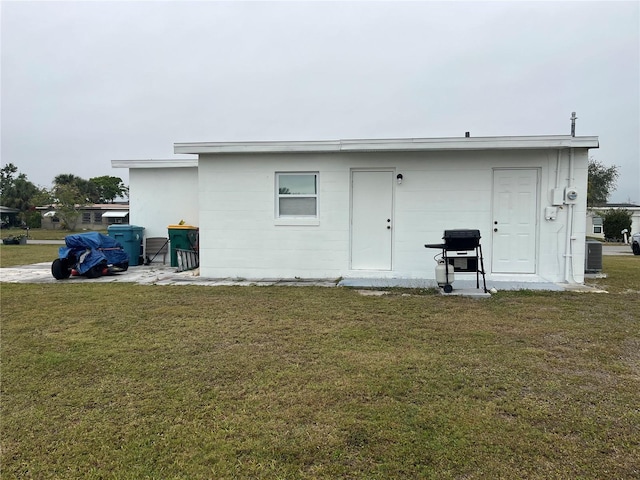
(593, 257)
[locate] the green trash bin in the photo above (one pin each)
(130, 237)
(183, 237)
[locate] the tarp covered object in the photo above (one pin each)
(91, 249)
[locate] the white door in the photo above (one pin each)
(371, 219)
(515, 203)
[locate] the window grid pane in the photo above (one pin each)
(298, 206)
(297, 194)
(303, 184)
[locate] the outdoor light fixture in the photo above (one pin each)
(399, 177)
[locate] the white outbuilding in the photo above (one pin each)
(366, 208)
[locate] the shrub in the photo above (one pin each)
(614, 221)
(33, 219)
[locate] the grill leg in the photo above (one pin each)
(484, 281)
(477, 269)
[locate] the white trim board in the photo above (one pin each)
(382, 145)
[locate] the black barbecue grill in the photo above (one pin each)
(461, 239)
(455, 252)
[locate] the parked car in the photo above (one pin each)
(90, 254)
(635, 243)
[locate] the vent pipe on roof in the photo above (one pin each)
(573, 124)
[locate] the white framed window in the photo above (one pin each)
(297, 195)
(597, 224)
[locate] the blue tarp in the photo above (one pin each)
(91, 249)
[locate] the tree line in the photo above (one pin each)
(69, 195)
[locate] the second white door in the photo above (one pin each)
(371, 219)
(514, 220)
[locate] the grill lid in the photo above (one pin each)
(461, 233)
(462, 239)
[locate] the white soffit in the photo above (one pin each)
(382, 145)
(156, 163)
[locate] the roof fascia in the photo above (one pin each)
(156, 163)
(409, 144)
(258, 147)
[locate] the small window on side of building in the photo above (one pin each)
(597, 225)
(297, 195)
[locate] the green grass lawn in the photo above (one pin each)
(14, 255)
(36, 233)
(40, 233)
(127, 381)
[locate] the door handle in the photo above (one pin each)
(495, 229)
(388, 227)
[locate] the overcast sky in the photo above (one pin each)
(86, 82)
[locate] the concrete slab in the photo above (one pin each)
(387, 283)
(576, 287)
(466, 292)
(154, 274)
(464, 287)
(459, 284)
(373, 293)
(158, 274)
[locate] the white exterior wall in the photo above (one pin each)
(159, 197)
(241, 238)
(239, 235)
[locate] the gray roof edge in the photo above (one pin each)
(156, 163)
(402, 144)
